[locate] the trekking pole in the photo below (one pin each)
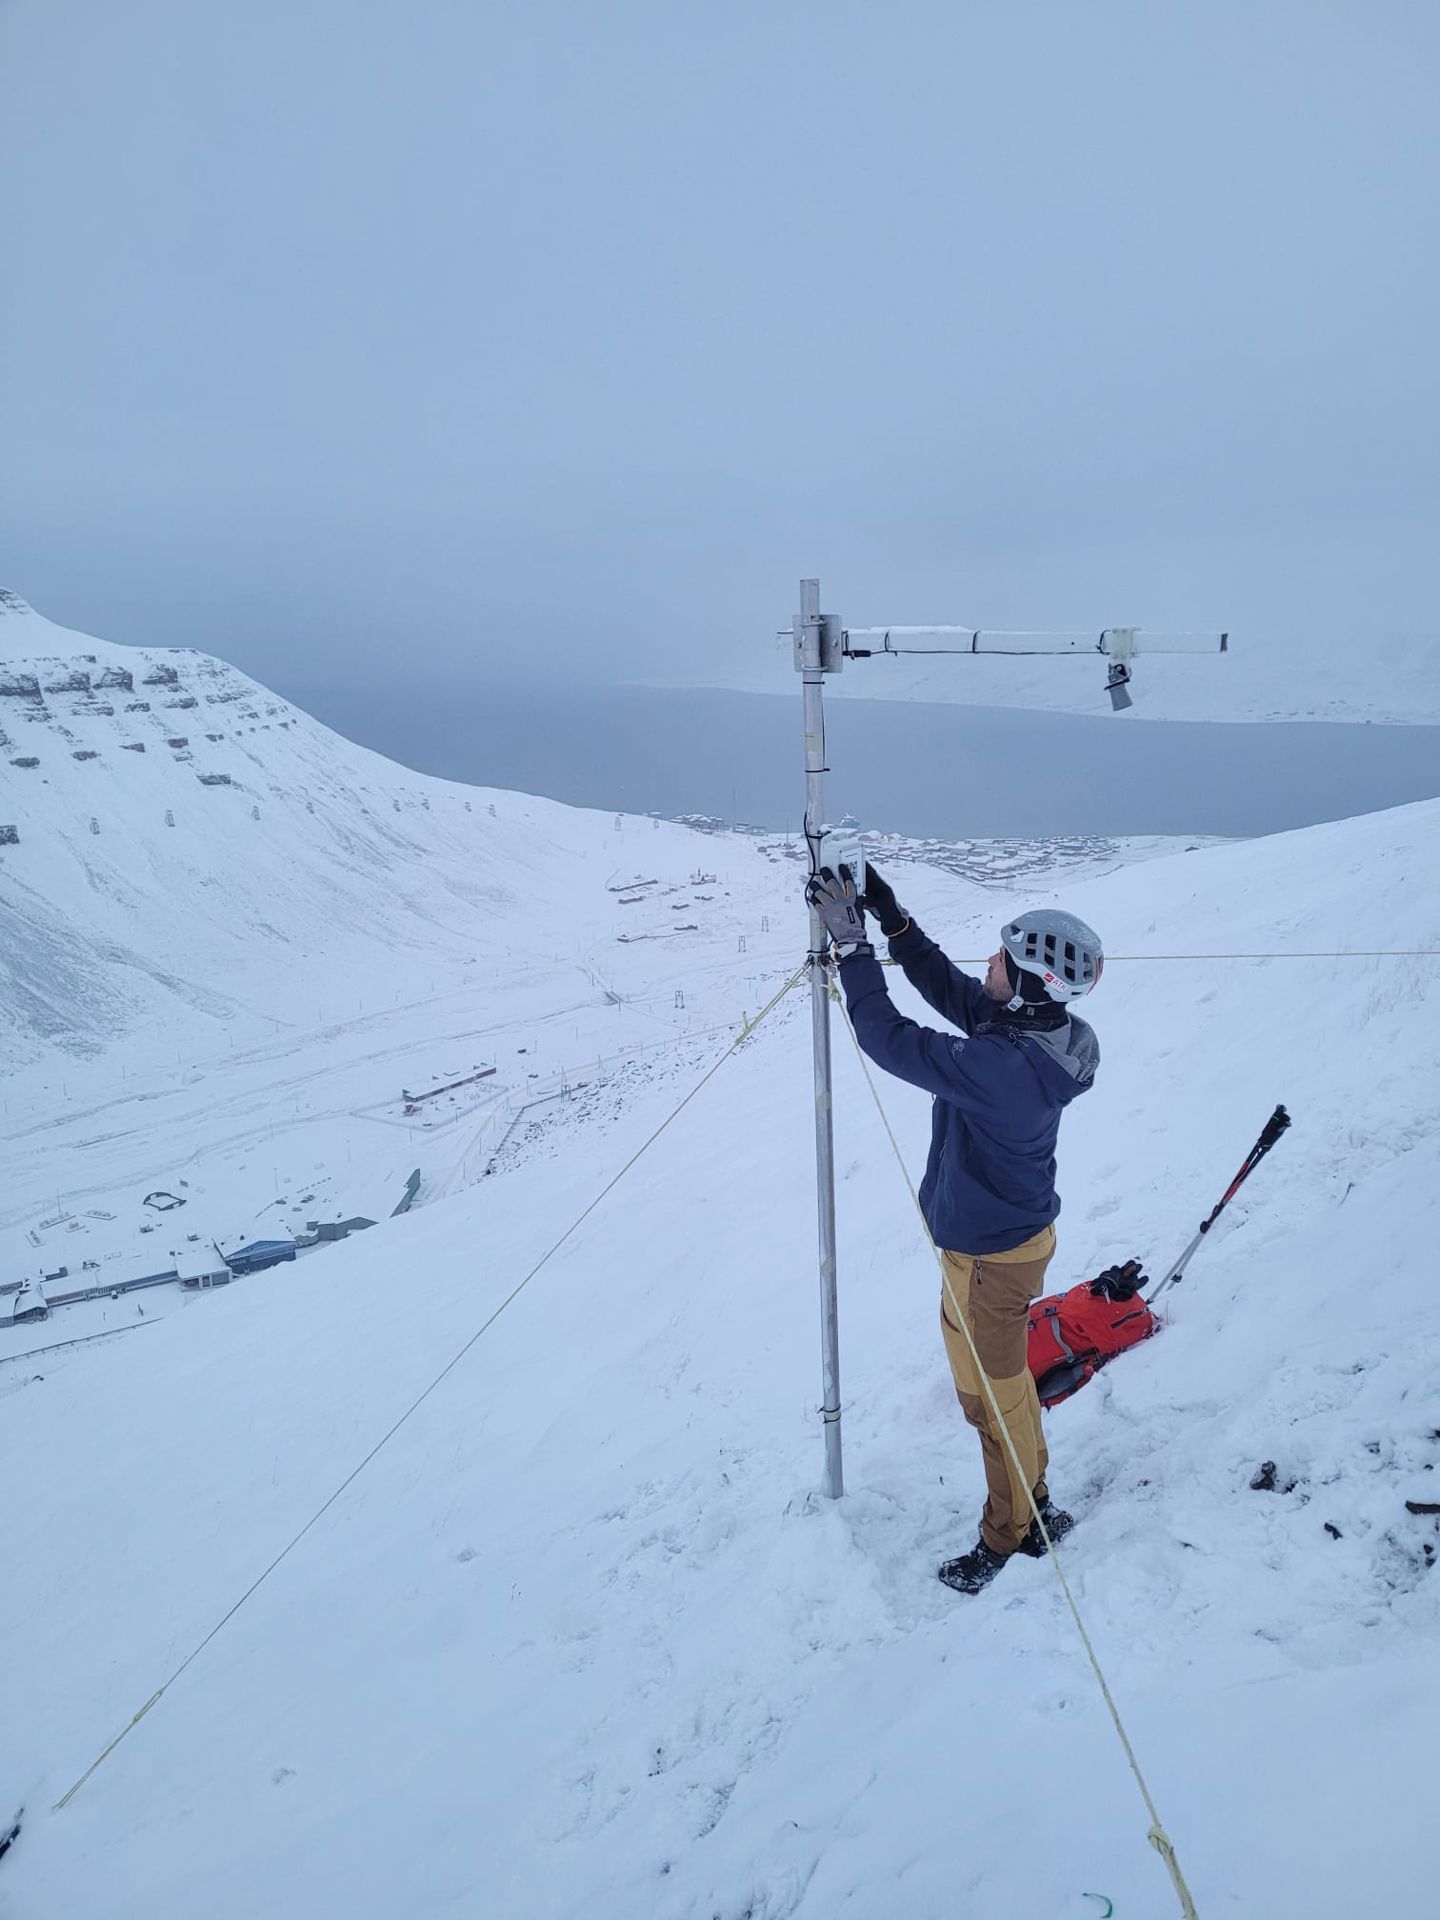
(1270, 1133)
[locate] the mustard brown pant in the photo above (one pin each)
(992, 1292)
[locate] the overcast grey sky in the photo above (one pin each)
(557, 335)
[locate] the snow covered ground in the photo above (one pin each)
(581, 1639)
(1381, 679)
(227, 955)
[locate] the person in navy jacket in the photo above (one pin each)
(1000, 1085)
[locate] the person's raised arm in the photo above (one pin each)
(939, 982)
(938, 1062)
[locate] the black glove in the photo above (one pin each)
(834, 898)
(880, 900)
(1119, 1283)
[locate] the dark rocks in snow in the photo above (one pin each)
(1266, 1479)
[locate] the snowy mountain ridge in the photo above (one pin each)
(133, 779)
(581, 1640)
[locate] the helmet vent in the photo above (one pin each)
(1058, 947)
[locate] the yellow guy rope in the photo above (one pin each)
(1157, 1836)
(420, 1399)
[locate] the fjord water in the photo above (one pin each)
(941, 771)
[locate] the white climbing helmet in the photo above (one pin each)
(1058, 950)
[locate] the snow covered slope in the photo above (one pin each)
(186, 841)
(232, 938)
(1383, 680)
(580, 1641)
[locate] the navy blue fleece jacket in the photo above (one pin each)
(999, 1092)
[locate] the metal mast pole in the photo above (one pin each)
(812, 656)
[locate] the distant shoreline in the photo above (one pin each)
(946, 772)
(1386, 681)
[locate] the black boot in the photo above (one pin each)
(1057, 1523)
(973, 1570)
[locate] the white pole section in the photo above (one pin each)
(810, 658)
(1110, 641)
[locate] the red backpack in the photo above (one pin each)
(1073, 1334)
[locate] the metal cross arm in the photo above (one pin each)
(1110, 641)
(1118, 645)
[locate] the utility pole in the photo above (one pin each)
(822, 645)
(815, 658)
